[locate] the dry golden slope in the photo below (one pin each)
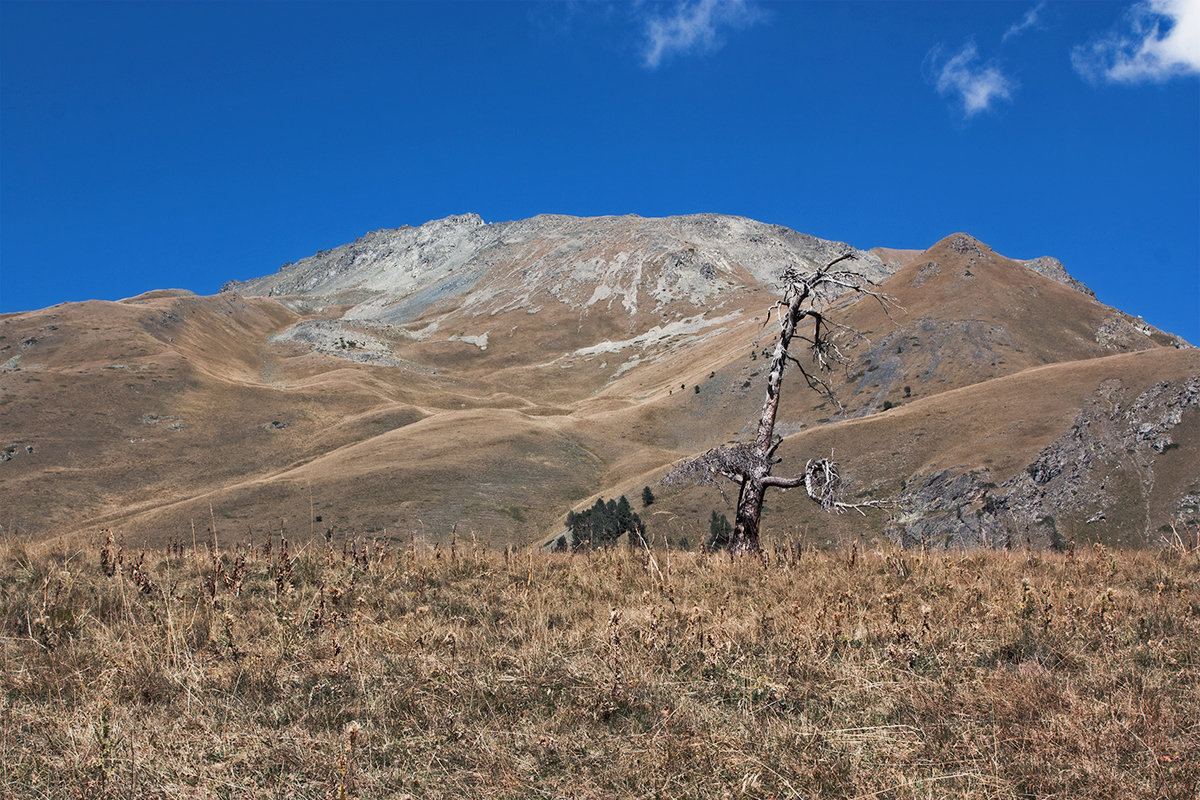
(157, 412)
(142, 415)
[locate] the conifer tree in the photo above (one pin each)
(604, 523)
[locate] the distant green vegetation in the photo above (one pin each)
(604, 523)
(719, 532)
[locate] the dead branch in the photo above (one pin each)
(749, 464)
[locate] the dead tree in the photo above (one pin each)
(749, 464)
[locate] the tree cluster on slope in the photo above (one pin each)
(604, 523)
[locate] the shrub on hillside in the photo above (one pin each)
(604, 523)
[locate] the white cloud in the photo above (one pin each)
(1030, 20)
(694, 26)
(1157, 40)
(977, 85)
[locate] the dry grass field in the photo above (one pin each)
(365, 669)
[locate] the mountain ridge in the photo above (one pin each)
(494, 376)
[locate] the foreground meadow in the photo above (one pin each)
(358, 669)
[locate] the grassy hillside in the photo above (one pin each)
(569, 374)
(355, 669)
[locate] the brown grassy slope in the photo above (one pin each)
(138, 401)
(503, 441)
(896, 257)
(505, 449)
(964, 314)
(490, 457)
(994, 429)
(94, 384)
(360, 672)
(491, 466)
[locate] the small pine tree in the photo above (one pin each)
(719, 531)
(647, 497)
(623, 516)
(601, 514)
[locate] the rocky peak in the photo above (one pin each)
(1053, 269)
(965, 244)
(395, 275)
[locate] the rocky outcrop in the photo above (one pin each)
(620, 263)
(1053, 269)
(1105, 461)
(1123, 332)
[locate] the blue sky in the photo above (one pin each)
(148, 145)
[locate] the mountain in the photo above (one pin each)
(491, 377)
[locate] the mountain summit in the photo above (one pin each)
(494, 376)
(623, 262)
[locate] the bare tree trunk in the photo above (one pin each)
(752, 495)
(749, 511)
(792, 315)
(749, 465)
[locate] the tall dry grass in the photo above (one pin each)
(361, 669)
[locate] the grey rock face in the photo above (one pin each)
(620, 262)
(1113, 440)
(1123, 332)
(1053, 269)
(944, 509)
(395, 260)
(354, 342)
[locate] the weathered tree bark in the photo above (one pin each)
(797, 292)
(749, 465)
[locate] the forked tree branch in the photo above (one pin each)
(749, 465)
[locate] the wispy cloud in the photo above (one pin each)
(1157, 40)
(1030, 20)
(977, 85)
(694, 26)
